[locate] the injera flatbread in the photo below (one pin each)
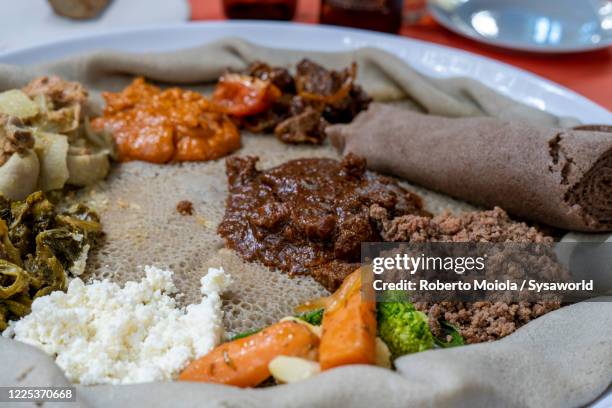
(137, 205)
(561, 359)
(559, 177)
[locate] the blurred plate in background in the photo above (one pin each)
(550, 26)
(29, 22)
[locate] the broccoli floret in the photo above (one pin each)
(450, 336)
(403, 328)
(315, 317)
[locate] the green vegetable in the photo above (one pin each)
(403, 328)
(13, 279)
(315, 317)
(456, 339)
(38, 247)
(244, 334)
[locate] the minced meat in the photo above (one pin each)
(477, 321)
(14, 138)
(484, 321)
(477, 226)
(58, 91)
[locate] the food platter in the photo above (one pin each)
(433, 59)
(146, 185)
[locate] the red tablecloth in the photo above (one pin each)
(589, 74)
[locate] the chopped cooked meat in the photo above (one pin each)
(267, 121)
(280, 77)
(185, 207)
(477, 321)
(346, 109)
(313, 78)
(343, 98)
(308, 102)
(60, 92)
(478, 226)
(306, 127)
(484, 321)
(13, 138)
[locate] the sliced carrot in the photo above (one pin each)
(349, 328)
(350, 284)
(244, 362)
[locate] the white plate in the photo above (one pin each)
(546, 26)
(431, 59)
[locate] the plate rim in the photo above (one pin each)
(442, 19)
(8, 56)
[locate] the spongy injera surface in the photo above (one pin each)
(137, 205)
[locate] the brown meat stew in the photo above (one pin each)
(310, 100)
(308, 216)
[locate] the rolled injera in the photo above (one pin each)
(560, 177)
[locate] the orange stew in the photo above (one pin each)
(160, 126)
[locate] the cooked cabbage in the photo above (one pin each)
(16, 103)
(19, 176)
(65, 149)
(86, 169)
(52, 151)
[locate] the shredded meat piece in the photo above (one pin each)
(315, 79)
(13, 138)
(280, 77)
(309, 101)
(343, 98)
(306, 127)
(477, 321)
(60, 92)
(185, 207)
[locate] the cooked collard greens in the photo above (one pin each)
(39, 248)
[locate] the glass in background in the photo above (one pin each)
(414, 11)
(378, 15)
(260, 9)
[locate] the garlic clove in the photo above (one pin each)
(288, 370)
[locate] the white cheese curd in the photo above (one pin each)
(101, 333)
